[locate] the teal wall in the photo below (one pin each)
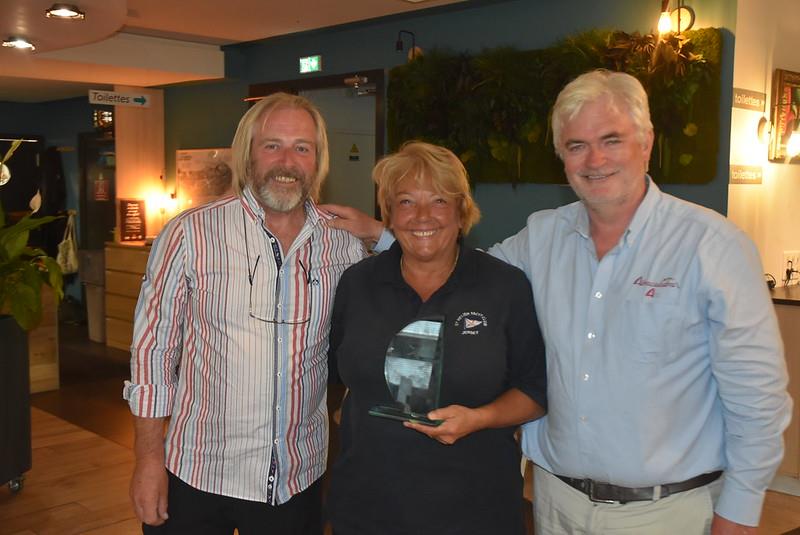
(199, 116)
(206, 115)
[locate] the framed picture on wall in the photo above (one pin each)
(786, 113)
(202, 175)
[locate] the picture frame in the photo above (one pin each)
(202, 175)
(785, 113)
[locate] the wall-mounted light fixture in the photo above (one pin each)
(398, 46)
(65, 11)
(18, 42)
(677, 20)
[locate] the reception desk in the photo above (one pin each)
(787, 308)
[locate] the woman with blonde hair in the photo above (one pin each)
(461, 476)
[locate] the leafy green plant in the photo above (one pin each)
(493, 108)
(23, 269)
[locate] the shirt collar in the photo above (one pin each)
(387, 266)
(643, 211)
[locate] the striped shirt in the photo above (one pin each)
(231, 341)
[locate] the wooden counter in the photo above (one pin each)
(125, 265)
(787, 308)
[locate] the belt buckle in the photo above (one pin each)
(590, 488)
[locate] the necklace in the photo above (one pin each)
(404, 270)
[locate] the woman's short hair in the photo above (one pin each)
(424, 161)
(621, 90)
(258, 115)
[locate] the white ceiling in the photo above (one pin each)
(154, 42)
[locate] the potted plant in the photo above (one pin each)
(23, 271)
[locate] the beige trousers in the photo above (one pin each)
(560, 509)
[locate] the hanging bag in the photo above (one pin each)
(68, 248)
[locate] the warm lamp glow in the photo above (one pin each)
(793, 146)
(664, 23)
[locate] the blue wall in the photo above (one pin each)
(201, 116)
(472, 26)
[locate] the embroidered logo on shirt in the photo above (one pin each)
(471, 322)
(666, 282)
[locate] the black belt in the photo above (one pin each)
(608, 493)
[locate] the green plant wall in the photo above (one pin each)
(493, 109)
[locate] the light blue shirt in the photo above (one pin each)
(664, 358)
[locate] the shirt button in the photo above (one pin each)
(585, 376)
(598, 295)
(277, 407)
(280, 340)
(271, 478)
(279, 306)
(590, 336)
(278, 374)
(275, 441)
(272, 240)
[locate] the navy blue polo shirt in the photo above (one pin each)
(392, 480)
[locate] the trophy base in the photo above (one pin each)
(394, 413)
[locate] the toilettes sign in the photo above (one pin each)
(112, 98)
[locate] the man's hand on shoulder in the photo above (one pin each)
(149, 491)
(723, 526)
(354, 221)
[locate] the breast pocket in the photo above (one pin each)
(653, 319)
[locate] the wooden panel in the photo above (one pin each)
(789, 321)
(120, 307)
(127, 258)
(127, 284)
(139, 141)
(43, 347)
(119, 333)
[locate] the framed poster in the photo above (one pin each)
(132, 226)
(202, 175)
(786, 113)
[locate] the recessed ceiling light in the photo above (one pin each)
(65, 11)
(19, 42)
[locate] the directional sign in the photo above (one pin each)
(112, 98)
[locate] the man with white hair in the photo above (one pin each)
(231, 341)
(666, 378)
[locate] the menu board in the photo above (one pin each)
(132, 220)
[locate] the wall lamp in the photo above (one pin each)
(677, 20)
(65, 11)
(19, 43)
(398, 46)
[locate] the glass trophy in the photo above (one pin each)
(413, 372)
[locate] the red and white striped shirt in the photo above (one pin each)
(231, 341)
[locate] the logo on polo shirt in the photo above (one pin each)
(471, 323)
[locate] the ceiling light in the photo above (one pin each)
(19, 42)
(65, 11)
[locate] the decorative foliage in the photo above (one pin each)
(24, 269)
(493, 109)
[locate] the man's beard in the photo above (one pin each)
(279, 197)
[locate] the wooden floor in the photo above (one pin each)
(82, 458)
(78, 484)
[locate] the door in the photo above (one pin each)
(350, 117)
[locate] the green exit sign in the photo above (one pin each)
(310, 64)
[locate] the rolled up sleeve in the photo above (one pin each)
(159, 321)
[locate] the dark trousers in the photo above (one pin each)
(194, 512)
